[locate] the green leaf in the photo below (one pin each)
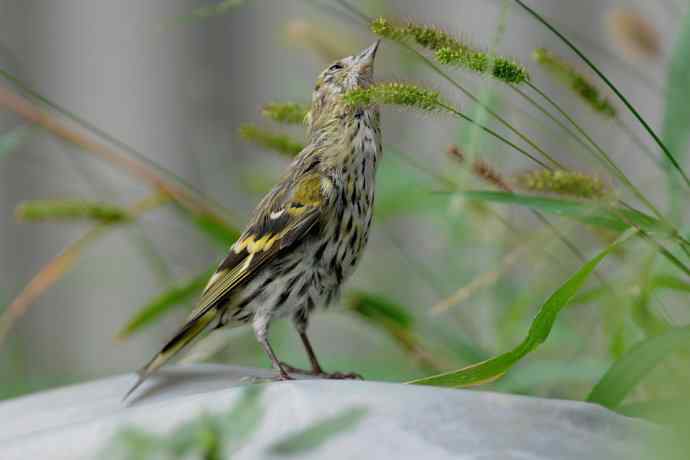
(539, 330)
(588, 213)
(9, 141)
(633, 366)
(318, 433)
(163, 303)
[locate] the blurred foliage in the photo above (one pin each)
(174, 297)
(206, 437)
(318, 433)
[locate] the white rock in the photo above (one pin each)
(403, 421)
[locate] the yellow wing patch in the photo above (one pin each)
(252, 245)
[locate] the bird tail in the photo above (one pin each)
(186, 334)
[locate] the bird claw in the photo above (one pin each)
(321, 374)
(295, 370)
(341, 375)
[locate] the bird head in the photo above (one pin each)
(356, 71)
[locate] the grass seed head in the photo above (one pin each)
(394, 93)
(560, 182)
(578, 83)
(277, 142)
(285, 112)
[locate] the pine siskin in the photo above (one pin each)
(307, 234)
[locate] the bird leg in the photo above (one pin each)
(277, 365)
(316, 369)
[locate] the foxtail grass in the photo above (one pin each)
(277, 142)
(570, 183)
(290, 113)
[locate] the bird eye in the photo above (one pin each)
(336, 66)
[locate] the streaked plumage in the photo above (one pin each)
(308, 232)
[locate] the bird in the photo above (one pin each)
(307, 234)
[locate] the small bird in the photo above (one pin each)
(307, 234)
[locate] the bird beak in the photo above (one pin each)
(367, 56)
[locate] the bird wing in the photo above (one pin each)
(284, 217)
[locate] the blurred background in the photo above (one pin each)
(176, 80)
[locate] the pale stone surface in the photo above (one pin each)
(402, 421)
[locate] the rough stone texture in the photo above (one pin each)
(402, 421)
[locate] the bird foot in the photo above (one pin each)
(324, 375)
(282, 376)
(341, 375)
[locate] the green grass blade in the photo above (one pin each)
(163, 303)
(585, 212)
(539, 330)
(318, 433)
(631, 368)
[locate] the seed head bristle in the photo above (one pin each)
(385, 29)
(452, 51)
(285, 112)
(633, 33)
(483, 170)
(431, 37)
(560, 182)
(490, 175)
(579, 83)
(277, 142)
(394, 93)
(501, 68)
(455, 152)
